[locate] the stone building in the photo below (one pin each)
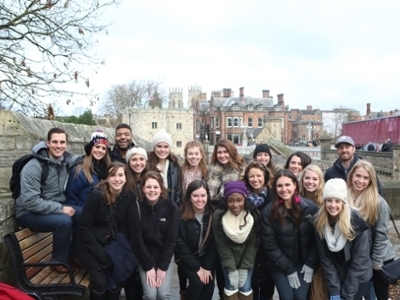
(146, 122)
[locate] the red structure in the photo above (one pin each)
(373, 130)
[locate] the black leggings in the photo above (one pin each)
(98, 279)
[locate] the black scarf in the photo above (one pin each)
(100, 169)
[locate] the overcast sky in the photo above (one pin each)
(326, 54)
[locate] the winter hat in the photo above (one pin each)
(262, 148)
(136, 150)
(335, 188)
(236, 186)
(97, 137)
(161, 137)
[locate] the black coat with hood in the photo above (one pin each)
(287, 247)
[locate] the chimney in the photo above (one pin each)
(217, 94)
(241, 94)
(265, 93)
(309, 107)
(391, 113)
(281, 102)
(203, 96)
(368, 109)
(227, 93)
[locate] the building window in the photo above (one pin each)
(260, 122)
(234, 138)
(235, 107)
(178, 125)
(250, 122)
(154, 125)
(260, 108)
(229, 122)
(303, 138)
(235, 122)
(178, 144)
(216, 122)
(250, 108)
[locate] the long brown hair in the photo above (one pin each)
(156, 176)
(153, 160)
(87, 166)
(236, 160)
(132, 179)
(279, 210)
(202, 165)
(187, 209)
(104, 185)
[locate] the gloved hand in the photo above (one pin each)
(308, 273)
(377, 267)
(293, 280)
(336, 297)
(234, 278)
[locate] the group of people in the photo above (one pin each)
(250, 229)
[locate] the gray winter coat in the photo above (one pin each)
(49, 198)
(381, 248)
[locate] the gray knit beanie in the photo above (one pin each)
(161, 136)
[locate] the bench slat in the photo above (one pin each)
(32, 271)
(30, 253)
(33, 239)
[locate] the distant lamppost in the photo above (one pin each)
(310, 129)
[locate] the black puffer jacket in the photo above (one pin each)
(346, 269)
(338, 171)
(174, 183)
(287, 247)
(95, 226)
(188, 243)
(155, 231)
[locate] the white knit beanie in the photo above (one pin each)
(335, 188)
(136, 150)
(161, 136)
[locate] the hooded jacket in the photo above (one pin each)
(47, 199)
(346, 269)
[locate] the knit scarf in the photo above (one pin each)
(335, 240)
(259, 199)
(100, 168)
(231, 223)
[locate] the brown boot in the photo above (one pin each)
(231, 297)
(244, 297)
(183, 295)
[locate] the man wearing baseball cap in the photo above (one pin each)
(346, 149)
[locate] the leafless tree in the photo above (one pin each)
(142, 93)
(45, 46)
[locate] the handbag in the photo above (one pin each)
(390, 272)
(121, 253)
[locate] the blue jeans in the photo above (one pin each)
(231, 286)
(369, 292)
(61, 225)
(285, 290)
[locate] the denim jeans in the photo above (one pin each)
(285, 290)
(244, 287)
(160, 293)
(369, 293)
(61, 225)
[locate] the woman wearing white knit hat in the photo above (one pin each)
(136, 159)
(342, 243)
(162, 160)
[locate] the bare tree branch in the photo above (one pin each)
(44, 46)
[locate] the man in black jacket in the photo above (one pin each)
(347, 158)
(123, 141)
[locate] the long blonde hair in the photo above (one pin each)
(343, 220)
(315, 196)
(367, 202)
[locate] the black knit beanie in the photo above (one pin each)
(262, 148)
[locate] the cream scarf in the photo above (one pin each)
(335, 240)
(231, 223)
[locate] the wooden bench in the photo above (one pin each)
(31, 259)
